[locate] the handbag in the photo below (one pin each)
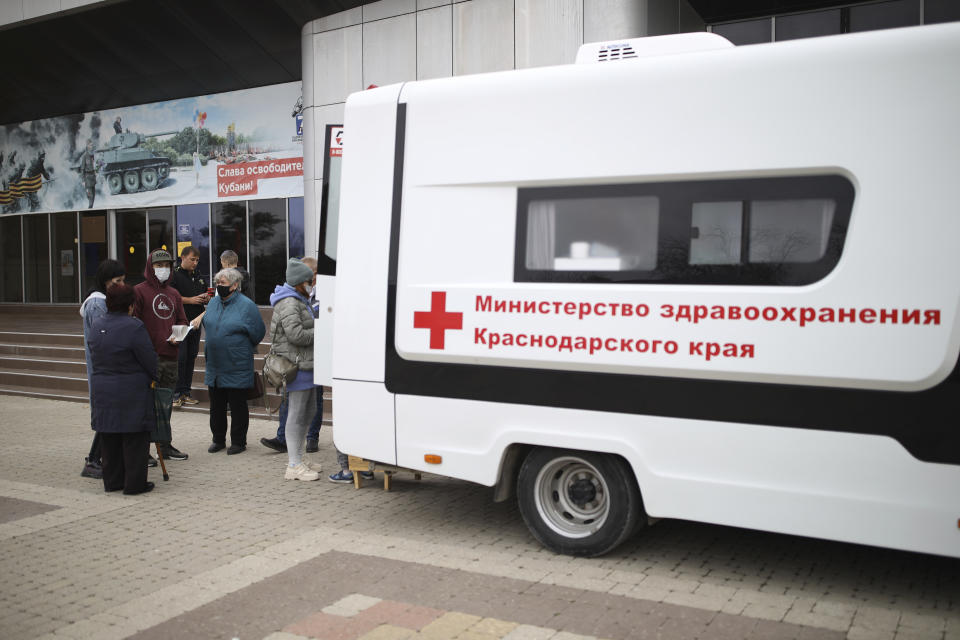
(278, 370)
(256, 391)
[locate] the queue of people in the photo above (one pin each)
(138, 370)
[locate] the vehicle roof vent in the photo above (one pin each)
(594, 52)
(616, 52)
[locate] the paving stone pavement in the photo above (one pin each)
(228, 549)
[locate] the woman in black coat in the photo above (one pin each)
(124, 366)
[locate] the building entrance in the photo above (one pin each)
(140, 231)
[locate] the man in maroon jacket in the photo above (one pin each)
(159, 307)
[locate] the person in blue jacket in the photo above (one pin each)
(234, 329)
(121, 399)
(109, 273)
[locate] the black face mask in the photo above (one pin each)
(223, 291)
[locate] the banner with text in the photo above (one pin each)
(228, 146)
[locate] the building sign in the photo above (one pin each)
(234, 145)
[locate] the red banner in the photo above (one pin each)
(241, 178)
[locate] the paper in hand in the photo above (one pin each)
(179, 332)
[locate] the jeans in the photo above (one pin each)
(301, 404)
(314, 431)
(186, 360)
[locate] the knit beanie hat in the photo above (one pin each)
(298, 272)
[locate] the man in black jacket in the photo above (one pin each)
(189, 282)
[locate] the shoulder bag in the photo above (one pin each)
(278, 370)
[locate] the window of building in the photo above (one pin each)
(296, 226)
(776, 231)
(93, 247)
(11, 275)
(809, 25)
(884, 15)
(268, 248)
(160, 231)
(746, 31)
(940, 11)
(63, 239)
(193, 229)
(229, 231)
(36, 263)
(132, 250)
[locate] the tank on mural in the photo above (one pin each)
(127, 166)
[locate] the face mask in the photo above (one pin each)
(162, 273)
(223, 291)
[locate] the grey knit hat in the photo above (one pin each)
(298, 272)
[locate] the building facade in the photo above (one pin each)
(49, 252)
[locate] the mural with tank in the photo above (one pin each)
(127, 166)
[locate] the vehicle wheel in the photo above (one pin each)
(148, 178)
(164, 171)
(114, 183)
(131, 181)
(578, 502)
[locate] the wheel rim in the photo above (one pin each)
(115, 183)
(572, 497)
(149, 178)
(131, 181)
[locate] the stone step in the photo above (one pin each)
(62, 361)
(42, 352)
(29, 377)
(35, 391)
(46, 339)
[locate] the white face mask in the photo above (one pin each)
(162, 273)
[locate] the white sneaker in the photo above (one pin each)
(300, 472)
(314, 466)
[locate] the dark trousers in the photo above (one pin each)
(94, 455)
(186, 360)
(220, 397)
(125, 460)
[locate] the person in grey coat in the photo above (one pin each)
(121, 398)
(291, 331)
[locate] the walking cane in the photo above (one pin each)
(160, 433)
(163, 467)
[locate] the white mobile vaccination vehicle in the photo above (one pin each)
(678, 279)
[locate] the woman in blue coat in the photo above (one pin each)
(234, 329)
(121, 400)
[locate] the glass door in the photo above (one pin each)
(93, 248)
(140, 231)
(132, 244)
(63, 238)
(160, 233)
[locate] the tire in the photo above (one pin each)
(579, 503)
(164, 171)
(115, 183)
(131, 181)
(148, 178)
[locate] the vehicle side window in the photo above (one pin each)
(760, 231)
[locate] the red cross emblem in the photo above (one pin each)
(438, 319)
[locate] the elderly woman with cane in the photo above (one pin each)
(124, 368)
